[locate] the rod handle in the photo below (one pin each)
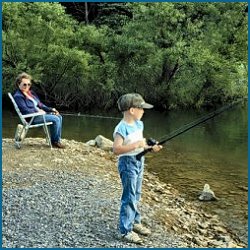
(139, 156)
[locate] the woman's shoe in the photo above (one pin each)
(58, 145)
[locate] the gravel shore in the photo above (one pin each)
(70, 198)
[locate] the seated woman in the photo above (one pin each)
(28, 102)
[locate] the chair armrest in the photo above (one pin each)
(32, 115)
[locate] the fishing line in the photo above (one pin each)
(93, 116)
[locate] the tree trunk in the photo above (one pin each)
(86, 13)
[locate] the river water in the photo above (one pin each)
(215, 152)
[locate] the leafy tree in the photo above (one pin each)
(66, 60)
(113, 15)
(181, 53)
(174, 54)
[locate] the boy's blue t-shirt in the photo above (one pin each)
(130, 133)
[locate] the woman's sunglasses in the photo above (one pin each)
(26, 84)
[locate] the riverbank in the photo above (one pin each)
(70, 198)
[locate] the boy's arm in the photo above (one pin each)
(119, 148)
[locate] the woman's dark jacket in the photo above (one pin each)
(26, 106)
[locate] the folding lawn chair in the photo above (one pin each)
(27, 125)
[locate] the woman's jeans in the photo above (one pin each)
(131, 174)
(55, 128)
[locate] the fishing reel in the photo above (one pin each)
(151, 142)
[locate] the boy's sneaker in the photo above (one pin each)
(140, 229)
(132, 237)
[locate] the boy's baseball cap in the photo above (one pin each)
(132, 100)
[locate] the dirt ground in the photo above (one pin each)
(165, 208)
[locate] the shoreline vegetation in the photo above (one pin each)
(87, 54)
(70, 198)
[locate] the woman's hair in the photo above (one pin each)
(22, 76)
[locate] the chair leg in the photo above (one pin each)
(17, 144)
(46, 131)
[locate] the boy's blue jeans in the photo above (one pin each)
(55, 128)
(131, 174)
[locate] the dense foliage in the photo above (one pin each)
(86, 55)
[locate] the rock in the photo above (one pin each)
(175, 228)
(233, 245)
(203, 225)
(233, 192)
(189, 236)
(220, 229)
(207, 194)
(243, 188)
(91, 143)
(103, 143)
(200, 242)
(207, 215)
(155, 199)
(216, 243)
(224, 238)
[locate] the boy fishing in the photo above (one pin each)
(128, 142)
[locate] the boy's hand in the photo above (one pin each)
(157, 148)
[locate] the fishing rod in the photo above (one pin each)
(181, 130)
(93, 116)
